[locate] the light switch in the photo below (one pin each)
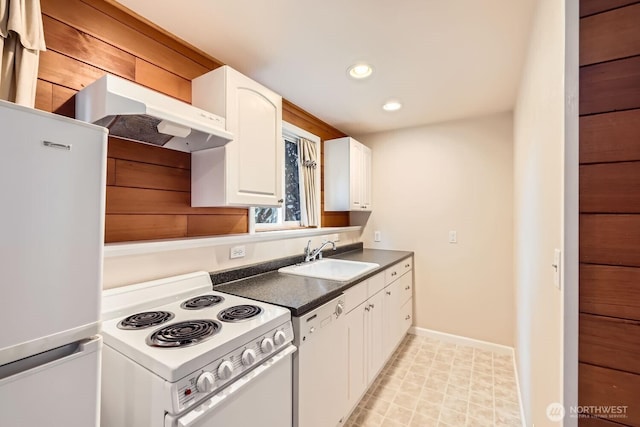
(376, 236)
(557, 267)
(453, 236)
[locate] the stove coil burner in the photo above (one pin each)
(239, 313)
(202, 301)
(145, 320)
(183, 334)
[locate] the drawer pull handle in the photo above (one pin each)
(394, 273)
(388, 292)
(407, 265)
(372, 306)
(367, 308)
(407, 288)
(407, 318)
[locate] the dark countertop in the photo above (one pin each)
(303, 294)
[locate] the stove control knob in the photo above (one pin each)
(225, 370)
(205, 381)
(248, 357)
(279, 338)
(266, 345)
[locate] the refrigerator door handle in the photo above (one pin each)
(48, 358)
(57, 145)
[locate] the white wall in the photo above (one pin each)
(570, 272)
(538, 213)
(450, 176)
(123, 266)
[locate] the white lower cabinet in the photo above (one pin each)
(364, 336)
(357, 370)
(376, 358)
(406, 317)
(397, 300)
(379, 313)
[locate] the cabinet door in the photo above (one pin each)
(365, 178)
(398, 312)
(347, 175)
(389, 323)
(255, 156)
(355, 175)
(248, 171)
(376, 353)
(406, 318)
(356, 349)
(405, 288)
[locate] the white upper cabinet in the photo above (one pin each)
(248, 170)
(347, 175)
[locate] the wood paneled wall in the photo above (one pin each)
(609, 345)
(148, 188)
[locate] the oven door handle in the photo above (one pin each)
(192, 417)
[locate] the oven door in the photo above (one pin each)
(263, 396)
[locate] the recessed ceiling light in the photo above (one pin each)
(360, 71)
(392, 105)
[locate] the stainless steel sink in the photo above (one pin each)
(331, 269)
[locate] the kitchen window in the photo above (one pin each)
(301, 192)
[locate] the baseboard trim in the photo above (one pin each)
(458, 339)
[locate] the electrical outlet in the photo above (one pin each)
(333, 237)
(237, 252)
(453, 236)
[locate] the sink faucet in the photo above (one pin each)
(311, 254)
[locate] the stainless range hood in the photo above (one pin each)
(140, 114)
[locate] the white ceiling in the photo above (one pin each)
(443, 59)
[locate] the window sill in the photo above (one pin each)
(283, 228)
(113, 250)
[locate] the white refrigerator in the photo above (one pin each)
(52, 188)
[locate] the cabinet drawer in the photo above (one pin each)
(394, 272)
(355, 295)
(406, 317)
(376, 284)
(406, 288)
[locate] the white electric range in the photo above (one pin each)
(178, 353)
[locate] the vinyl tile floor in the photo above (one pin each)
(428, 382)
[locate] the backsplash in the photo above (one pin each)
(232, 274)
(128, 268)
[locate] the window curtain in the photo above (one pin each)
(309, 187)
(21, 40)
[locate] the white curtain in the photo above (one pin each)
(21, 40)
(309, 187)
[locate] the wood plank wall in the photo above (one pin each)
(148, 188)
(609, 344)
